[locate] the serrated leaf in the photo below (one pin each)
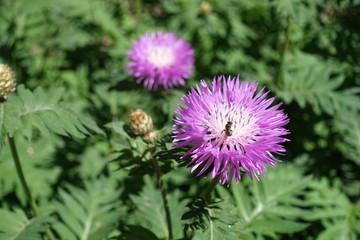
(38, 166)
(310, 81)
(266, 226)
(87, 213)
(150, 205)
(337, 231)
(133, 232)
(335, 211)
(42, 111)
(269, 207)
(15, 225)
(348, 122)
(211, 221)
(288, 7)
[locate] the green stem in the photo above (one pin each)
(160, 183)
(206, 194)
(24, 184)
(138, 7)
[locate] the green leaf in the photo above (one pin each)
(42, 111)
(88, 213)
(15, 225)
(269, 207)
(37, 160)
(339, 216)
(266, 226)
(211, 221)
(2, 130)
(133, 232)
(307, 80)
(151, 209)
(93, 160)
(348, 122)
(289, 8)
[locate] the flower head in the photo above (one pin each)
(161, 59)
(7, 81)
(230, 127)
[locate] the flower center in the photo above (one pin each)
(231, 126)
(161, 56)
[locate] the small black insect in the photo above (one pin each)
(228, 131)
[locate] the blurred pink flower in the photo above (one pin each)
(161, 59)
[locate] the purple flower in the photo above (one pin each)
(230, 127)
(161, 59)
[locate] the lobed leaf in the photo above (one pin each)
(38, 166)
(348, 122)
(15, 225)
(339, 216)
(87, 213)
(150, 206)
(310, 81)
(39, 110)
(269, 207)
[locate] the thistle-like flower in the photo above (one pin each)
(230, 127)
(7, 81)
(161, 59)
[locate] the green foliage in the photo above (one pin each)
(151, 210)
(89, 213)
(70, 58)
(15, 225)
(339, 216)
(307, 80)
(270, 207)
(348, 122)
(213, 221)
(42, 111)
(38, 165)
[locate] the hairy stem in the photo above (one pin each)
(160, 183)
(24, 184)
(206, 193)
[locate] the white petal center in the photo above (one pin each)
(161, 56)
(242, 128)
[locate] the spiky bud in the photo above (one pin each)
(7, 81)
(140, 122)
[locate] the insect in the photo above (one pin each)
(228, 131)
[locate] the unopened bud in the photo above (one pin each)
(150, 136)
(140, 122)
(7, 81)
(205, 7)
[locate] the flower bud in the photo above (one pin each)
(150, 136)
(7, 81)
(205, 7)
(140, 122)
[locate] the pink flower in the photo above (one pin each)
(161, 59)
(230, 127)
